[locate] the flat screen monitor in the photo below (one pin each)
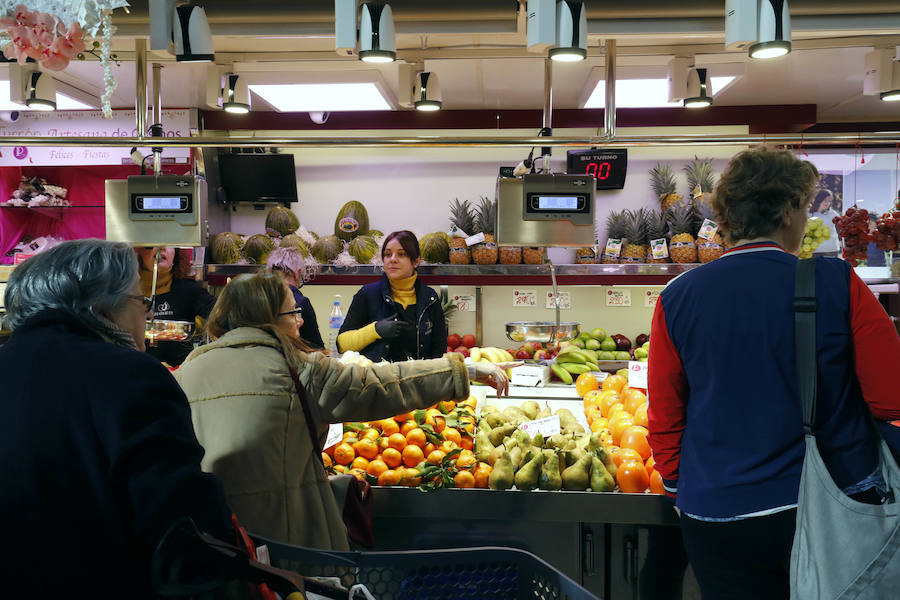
(258, 177)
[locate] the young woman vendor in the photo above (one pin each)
(397, 318)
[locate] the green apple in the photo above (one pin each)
(598, 334)
(608, 344)
(643, 359)
(592, 344)
(622, 355)
(584, 335)
(579, 342)
(605, 355)
(646, 344)
(641, 353)
(623, 373)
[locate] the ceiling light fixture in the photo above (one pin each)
(571, 32)
(427, 92)
(883, 75)
(191, 36)
(235, 94)
(40, 93)
(688, 84)
(643, 93)
(761, 26)
(376, 34)
(699, 91)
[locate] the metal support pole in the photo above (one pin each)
(156, 126)
(547, 129)
(140, 76)
(479, 315)
(609, 112)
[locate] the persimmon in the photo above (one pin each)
(632, 477)
(344, 454)
(390, 477)
(650, 464)
(600, 424)
(392, 457)
(640, 415)
(613, 382)
(656, 484)
(464, 479)
(619, 424)
(635, 437)
(397, 441)
(632, 399)
(621, 455)
(412, 456)
(592, 399)
(416, 437)
(585, 383)
(592, 414)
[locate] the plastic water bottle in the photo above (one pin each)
(334, 325)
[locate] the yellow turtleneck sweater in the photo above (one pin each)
(163, 281)
(403, 291)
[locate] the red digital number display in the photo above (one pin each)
(598, 170)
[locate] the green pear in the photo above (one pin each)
(601, 480)
(498, 434)
(496, 453)
(516, 455)
(510, 442)
(527, 476)
(538, 440)
(483, 424)
(495, 419)
(521, 437)
(543, 413)
(550, 478)
(514, 415)
(595, 442)
(607, 459)
(502, 475)
(531, 409)
(483, 446)
(566, 417)
(490, 408)
(578, 476)
(573, 455)
(555, 441)
(573, 428)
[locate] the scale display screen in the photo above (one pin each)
(146, 203)
(608, 167)
(558, 202)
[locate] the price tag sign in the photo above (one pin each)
(527, 298)
(637, 374)
(565, 300)
(650, 298)
(464, 303)
(475, 239)
(708, 229)
(335, 433)
(618, 297)
(658, 248)
(613, 247)
(546, 427)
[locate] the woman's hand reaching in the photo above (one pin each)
(492, 374)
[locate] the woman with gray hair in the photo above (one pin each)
(288, 262)
(100, 455)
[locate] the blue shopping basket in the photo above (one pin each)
(488, 573)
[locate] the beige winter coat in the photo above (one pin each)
(249, 419)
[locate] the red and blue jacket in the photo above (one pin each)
(725, 419)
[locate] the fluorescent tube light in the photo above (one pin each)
(331, 97)
(643, 93)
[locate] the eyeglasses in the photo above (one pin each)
(147, 302)
(297, 313)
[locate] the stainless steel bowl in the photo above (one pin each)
(169, 331)
(541, 331)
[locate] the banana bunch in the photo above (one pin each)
(573, 360)
(490, 354)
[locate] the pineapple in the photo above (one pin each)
(485, 253)
(614, 231)
(682, 222)
(636, 248)
(700, 172)
(708, 250)
(510, 255)
(461, 218)
(533, 256)
(656, 229)
(663, 183)
(585, 256)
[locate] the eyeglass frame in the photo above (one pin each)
(146, 300)
(297, 312)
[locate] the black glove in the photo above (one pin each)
(391, 328)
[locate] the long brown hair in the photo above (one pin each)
(254, 300)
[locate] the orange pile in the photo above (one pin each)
(619, 414)
(397, 450)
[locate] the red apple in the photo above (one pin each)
(641, 339)
(453, 340)
(462, 350)
(468, 340)
(522, 354)
(532, 347)
(542, 354)
(449, 349)
(622, 342)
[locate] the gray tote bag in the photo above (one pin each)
(842, 548)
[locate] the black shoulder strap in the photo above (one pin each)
(301, 392)
(805, 307)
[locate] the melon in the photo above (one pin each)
(257, 247)
(225, 248)
(327, 248)
(352, 220)
(281, 221)
(434, 248)
(292, 240)
(363, 249)
(375, 233)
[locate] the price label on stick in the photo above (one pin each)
(708, 229)
(335, 433)
(464, 303)
(565, 300)
(637, 374)
(620, 297)
(527, 298)
(546, 427)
